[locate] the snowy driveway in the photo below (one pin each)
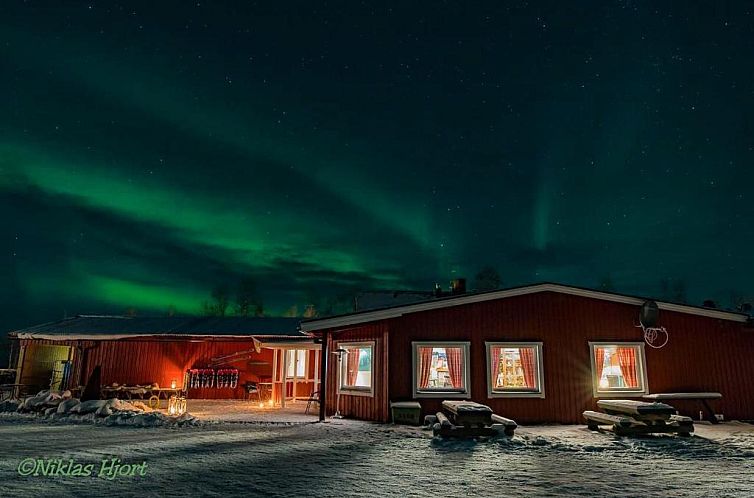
(347, 458)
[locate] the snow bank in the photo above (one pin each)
(61, 407)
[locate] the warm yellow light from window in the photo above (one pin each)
(603, 383)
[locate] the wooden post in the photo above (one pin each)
(274, 374)
(19, 370)
(323, 378)
(295, 374)
(284, 376)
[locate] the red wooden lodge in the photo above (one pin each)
(540, 353)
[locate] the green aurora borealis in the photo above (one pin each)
(150, 153)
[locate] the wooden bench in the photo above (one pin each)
(464, 419)
(629, 417)
(703, 397)
(468, 413)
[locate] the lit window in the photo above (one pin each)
(618, 368)
(296, 363)
(441, 369)
(514, 369)
(356, 372)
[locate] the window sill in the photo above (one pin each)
(515, 394)
(442, 394)
(620, 394)
(356, 392)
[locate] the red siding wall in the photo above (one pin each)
(362, 407)
(703, 354)
(146, 361)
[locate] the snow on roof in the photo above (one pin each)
(469, 298)
(116, 327)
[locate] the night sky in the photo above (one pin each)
(152, 151)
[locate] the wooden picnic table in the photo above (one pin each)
(640, 410)
(468, 413)
(631, 417)
(703, 397)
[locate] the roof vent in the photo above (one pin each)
(458, 286)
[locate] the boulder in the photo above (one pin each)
(66, 405)
(35, 403)
(90, 406)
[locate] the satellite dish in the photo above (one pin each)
(649, 314)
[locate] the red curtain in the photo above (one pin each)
(495, 362)
(425, 364)
(627, 359)
(599, 361)
(527, 365)
(455, 366)
(352, 366)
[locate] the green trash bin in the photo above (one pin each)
(406, 412)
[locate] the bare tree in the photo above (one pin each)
(248, 302)
(487, 279)
(218, 303)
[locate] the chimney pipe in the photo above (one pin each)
(458, 286)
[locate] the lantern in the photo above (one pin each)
(173, 384)
(176, 405)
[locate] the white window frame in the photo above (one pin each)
(354, 390)
(293, 364)
(620, 392)
(438, 393)
(538, 392)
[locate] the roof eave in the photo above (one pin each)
(397, 311)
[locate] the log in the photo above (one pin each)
(443, 420)
(607, 419)
(681, 419)
(497, 419)
(457, 431)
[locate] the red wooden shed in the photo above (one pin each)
(161, 350)
(540, 353)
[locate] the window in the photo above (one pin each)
(356, 372)
(441, 369)
(296, 363)
(514, 370)
(618, 369)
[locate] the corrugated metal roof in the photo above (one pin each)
(97, 325)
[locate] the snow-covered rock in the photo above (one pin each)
(66, 405)
(34, 403)
(90, 406)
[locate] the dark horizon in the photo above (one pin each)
(149, 154)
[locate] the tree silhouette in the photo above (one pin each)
(218, 303)
(248, 302)
(487, 279)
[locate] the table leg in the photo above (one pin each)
(710, 412)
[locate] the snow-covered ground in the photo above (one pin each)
(350, 458)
